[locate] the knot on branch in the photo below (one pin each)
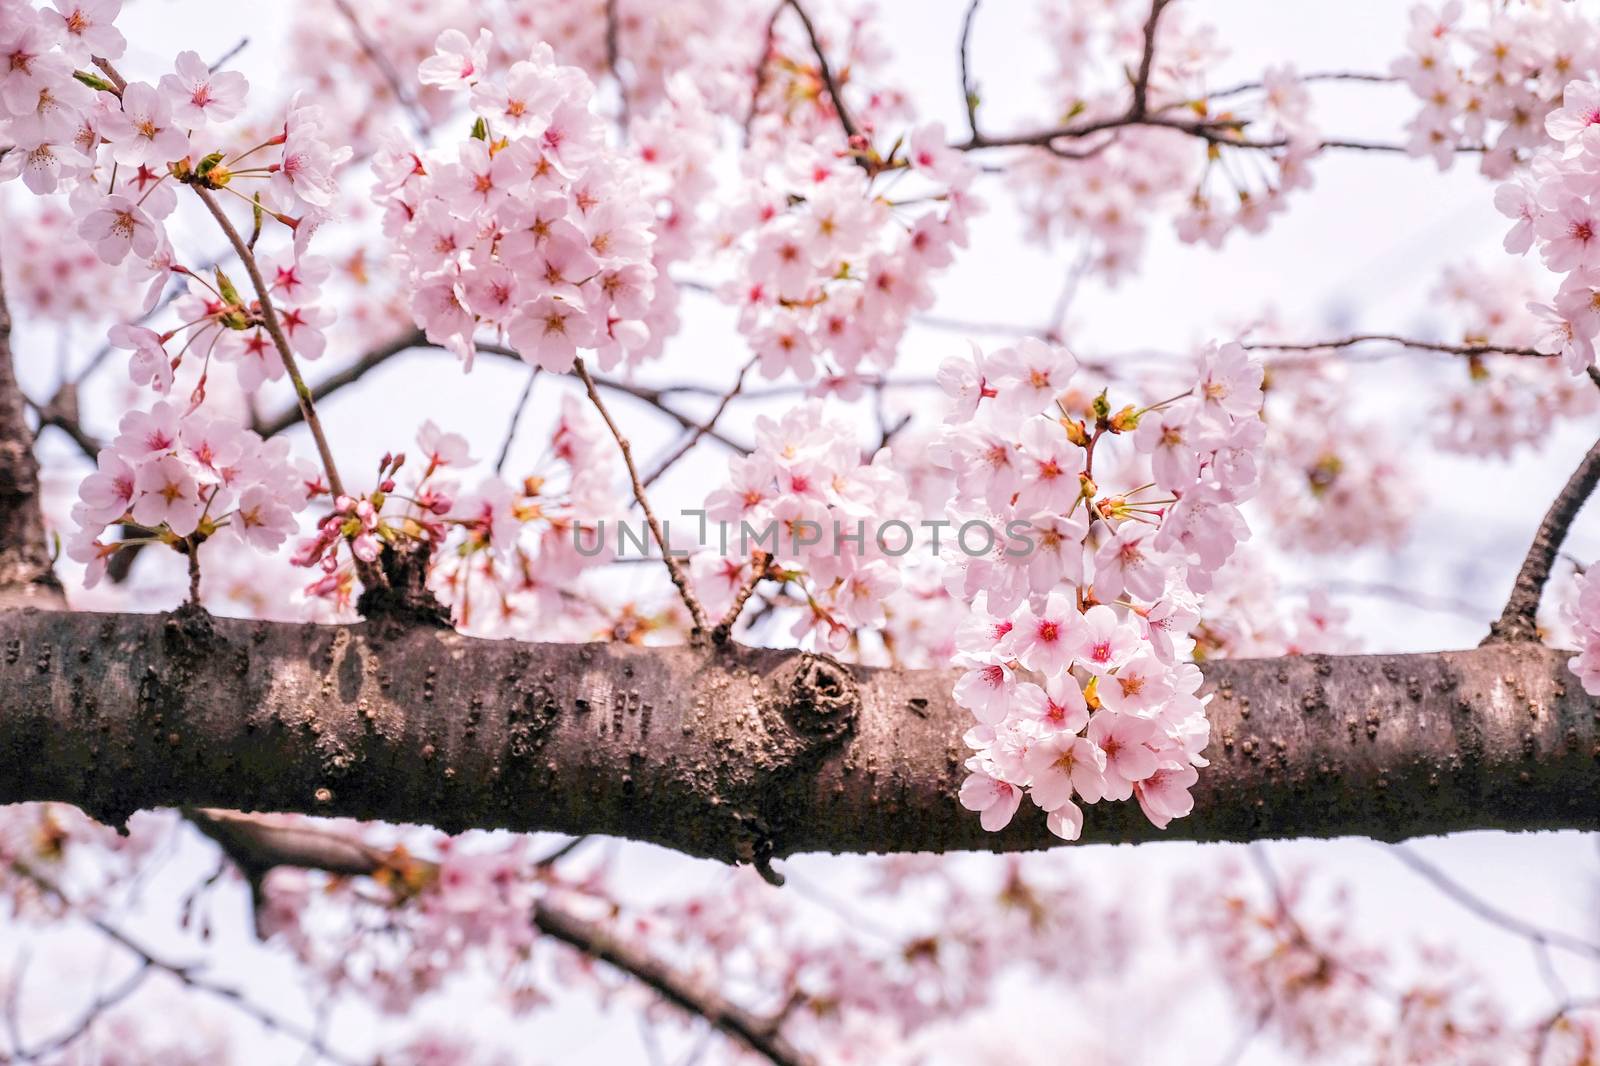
(811, 706)
(398, 589)
(818, 698)
(189, 630)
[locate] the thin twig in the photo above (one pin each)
(759, 561)
(561, 852)
(852, 132)
(1398, 341)
(679, 578)
(185, 975)
(756, 1033)
(614, 60)
(415, 340)
(269, 320)
(701, 430)
(763, 61)
(1304, 79)
(102, 1003)
(380, 59)
(258, 846)
(969, 91)
(516, 418)
(229, 54)
(1141, 82)
(1487, 911)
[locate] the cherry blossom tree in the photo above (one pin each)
(287, 677)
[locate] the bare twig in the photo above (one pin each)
(763, 61)
(414, 339)
(758, 570)
(1141, 81)
(1390, 338)
(229, 54)
(969, 91)
(614, 60)
(102, 1003)
(679, 578)
(1487, 911)
(185, 974)
(386, 69)
(1304, 79)
(258, 846)
(756, 1033)
(516, 418)
(699, 432)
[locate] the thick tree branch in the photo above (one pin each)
(1519, 620)
(25, 573)
(735, 753)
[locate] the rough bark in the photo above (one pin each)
(735, 753)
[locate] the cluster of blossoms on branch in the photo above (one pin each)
(1487, 73)
(1104, 188)
(806, 511)
(1504, 403)
(1075, 656)
(827, 265)
(1555, 203)
(535, 229)
(179, 480)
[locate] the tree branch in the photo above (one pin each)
(852, 132)
(1519, 620)
(415, 339)
(969, 90)
(1141, 81)
(757, 1034)
(1402, 342)
(257, 846)
(735, 753)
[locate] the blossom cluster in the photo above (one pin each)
(499, 551)
(1555, 203)
(535, 229)
(1487, 73)
(1075, 656)
(811, 507)
(180, 478)
(826, 267)
(1105, 188)
(1501, 404)
(70, 123)
(1332, 477)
